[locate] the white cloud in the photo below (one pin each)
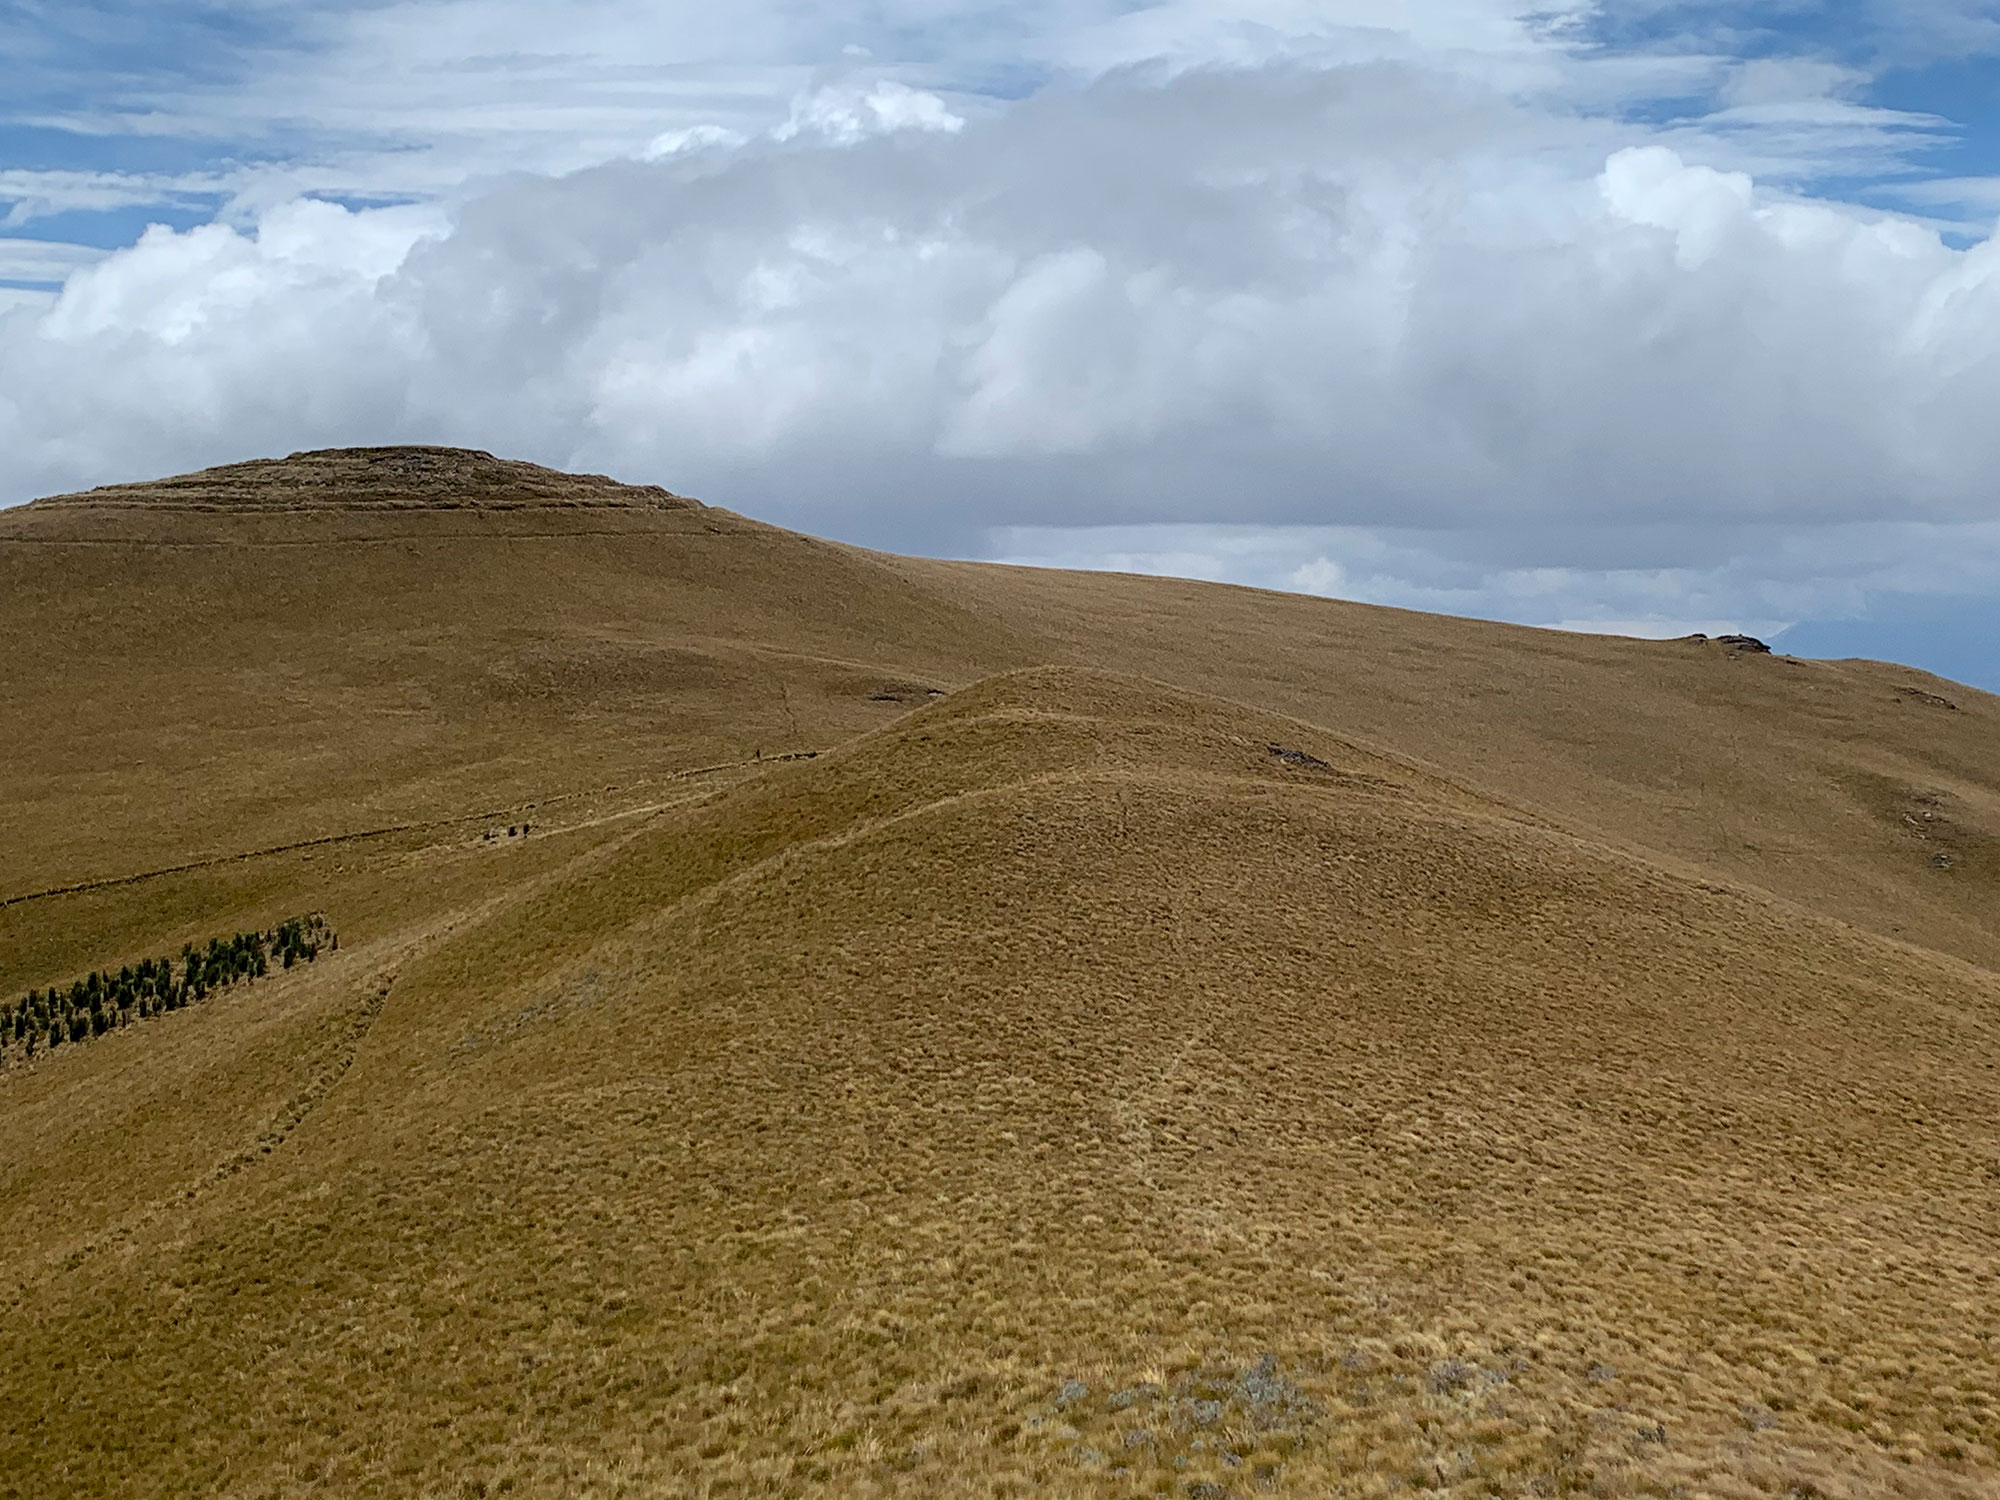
(1981, 194)
(434, 98)
(1755, 578)
(1699, 206)
(32, 194)
(1766, 81)
(46, 261)
(1915, 32)
(171, 289)
(210, 341)
(694, 138)
(1387, 279)
(1346, 294)
(844, 115)
(16, 299)
(1494, 39)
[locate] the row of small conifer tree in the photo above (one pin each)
(103, 1001)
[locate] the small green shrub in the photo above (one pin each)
(104, 1001)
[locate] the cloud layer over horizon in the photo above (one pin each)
(1427, 295)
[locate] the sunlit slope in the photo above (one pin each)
(361, 639)
(1072, 1060)
(98, 1137)
(1867, 791)
(353, 639)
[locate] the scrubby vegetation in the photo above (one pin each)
(103, 1001)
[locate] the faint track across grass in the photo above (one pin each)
(387, 830)
(276, 1131)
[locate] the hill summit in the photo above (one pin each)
(408, 477)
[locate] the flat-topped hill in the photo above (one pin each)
(373, 479)
(813, 1022)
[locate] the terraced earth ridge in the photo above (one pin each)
(369, 479)
(814, 1022)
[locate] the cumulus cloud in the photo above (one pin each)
(694, 138)
(1366, 278)
(842, 116)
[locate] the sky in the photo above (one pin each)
(1622, 315)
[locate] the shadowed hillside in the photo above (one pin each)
(1288, 1047)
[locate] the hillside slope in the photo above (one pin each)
(1076, 1087)
(283, 650)
(235, 660)
(1865, 790)
(811, 1021)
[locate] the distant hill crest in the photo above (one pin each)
(402, 478)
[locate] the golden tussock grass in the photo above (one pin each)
(1226, 1045)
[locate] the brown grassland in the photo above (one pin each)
(962, 1030)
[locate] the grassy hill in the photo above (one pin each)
(1150, 1038)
